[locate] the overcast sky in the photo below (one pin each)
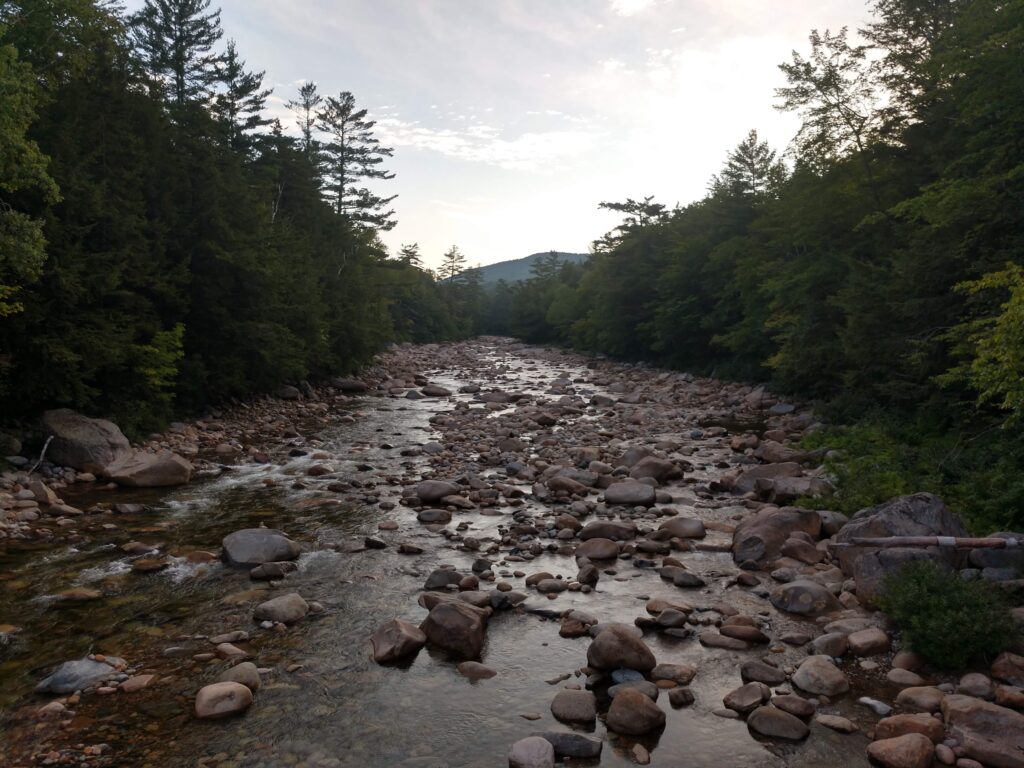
(512, 119)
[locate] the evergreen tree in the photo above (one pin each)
(239, 107)
(175, 40)
(751, 171)
(410, 254)
(353, 156)
(305, 109)
(453, 263)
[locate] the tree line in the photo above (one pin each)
(879, 271)
(164, 245)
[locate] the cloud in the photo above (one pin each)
(543, 151)
(629, 7)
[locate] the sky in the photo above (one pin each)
(512, 119)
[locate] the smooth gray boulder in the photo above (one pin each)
(150, 470)
(85, 444)
(250, 547)
(73, 676)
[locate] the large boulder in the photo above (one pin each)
(633, 713)
(598, 549)
(616, 647)
(250, 547)
(921, 514)
(532, 752)
(912, 750)
(285, 609)
(817, 674)
(776, 723)
(88, 445)
(760, 538)
(456, 627)
(988, 733)
(150, 470)
(396, 639)
(805, 597)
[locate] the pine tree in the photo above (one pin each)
(239, 107)
(175, 40)
(354, 155)
(305, 109)
(751, 171)
(410, 254)
(453, 263)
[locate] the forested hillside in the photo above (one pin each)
(163, 245)
(879, 270)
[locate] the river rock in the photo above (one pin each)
(456, 627)
(150, 470)
(817, 674)
(574, 706)
(250, 547)
(868, 642)
(634, 714)
(430, 491)
(760, 538)
(923, 698)
(616, 647)
(807, 598)
(88, 445)
(630, 494)
(73, 676)
(608, 529)
(222, 700)
(245, 673)
(286, 609)
(598, 549)
(910, 751)
(991, 734)
(396, 639)
(747, 697)
(661, 470)
(1009, 667)
(758, 671)
(684, 528)
(573, 744)
(532, 752)
(777, 724)
(919, 722)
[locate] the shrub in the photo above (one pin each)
(950, 622)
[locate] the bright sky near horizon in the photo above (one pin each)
(512, 119)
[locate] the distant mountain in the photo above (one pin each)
(519, 269)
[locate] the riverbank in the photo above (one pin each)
(532, 440)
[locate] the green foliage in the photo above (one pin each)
(23, 169)
(993, 346)
(950, 622)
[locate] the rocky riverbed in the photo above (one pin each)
(478, 554)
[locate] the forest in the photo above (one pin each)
(874, 267)
(165, 247)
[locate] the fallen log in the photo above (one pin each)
(956, 542)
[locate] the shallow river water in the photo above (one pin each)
(325, 702)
